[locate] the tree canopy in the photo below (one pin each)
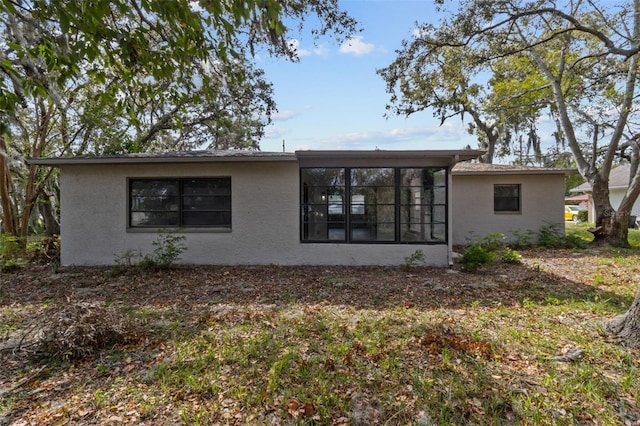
(113, 76)
(506, 63)
(163, 56)
(576, 59)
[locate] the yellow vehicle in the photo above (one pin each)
(571, 212)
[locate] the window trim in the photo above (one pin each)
(519, 198)
(180, 227)
(398, 205)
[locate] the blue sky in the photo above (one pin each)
(333, 98)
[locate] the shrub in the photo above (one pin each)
(11, 254)
(493, 242)
(128, 258)
(413, 260)
(551, 236)
(168, 248)
(511, 256)
(167, 251)
(45, 251)
(522, 239)
(583, 215)
(476, 256)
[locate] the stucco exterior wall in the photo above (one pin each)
(542, 202)
(616, 195)
(265, 219)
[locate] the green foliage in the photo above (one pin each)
(522, 239)
(493, 242)
(476, 256)
(44, 251)
(551, 235)
(483, 251)
(128, 258)
(12, 255)
(168, 249)
(470, 62)
(120, 39)
(417, 257)
(511, 256)
(583, 215)
(116, 76)
(634, 237)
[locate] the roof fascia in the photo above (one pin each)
(66, 161)
(566, 172)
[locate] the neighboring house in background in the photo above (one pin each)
(618, 184)
(497, 198)
(582, 200)
(302, 208)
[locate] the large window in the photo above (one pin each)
(506, 198)
(423, 205)
(400, 205)
(170, 203)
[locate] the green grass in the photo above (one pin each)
(250, 364)
(581, 230)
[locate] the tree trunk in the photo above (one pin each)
(615, 230)
(51, 224)
(612, 227)
(625, 328)
(9, 216)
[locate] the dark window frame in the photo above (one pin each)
(399, 205)
(182, 210)
(507, 203)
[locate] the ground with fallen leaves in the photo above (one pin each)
(509, 344)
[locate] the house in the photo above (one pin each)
(302, 208)
(618, 184)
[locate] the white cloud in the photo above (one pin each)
(304, 147)
(423, 137)
(320, 50)
(294, 45)
(283, 115)
(356, 46)
(275, 132)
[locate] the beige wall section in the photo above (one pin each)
(265, 222)
(542, 202)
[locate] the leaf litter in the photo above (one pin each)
(319, 345)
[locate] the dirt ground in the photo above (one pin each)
(359, 286)
(544, 275)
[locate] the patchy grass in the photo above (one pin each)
(581, 230)
(511, 344)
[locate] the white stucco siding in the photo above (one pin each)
(265, 219)
(542, 202)
(616, 195)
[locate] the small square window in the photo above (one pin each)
(506, 198)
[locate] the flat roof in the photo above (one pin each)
(254, 156)
(459, 154)
(462, 169)
(169, 157)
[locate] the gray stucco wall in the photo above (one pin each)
(265, 222)
(542, 202)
